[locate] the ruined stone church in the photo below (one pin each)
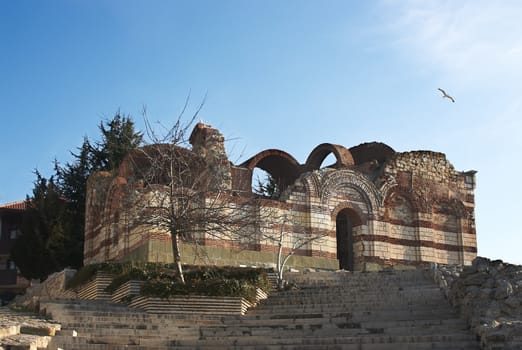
(374, 207)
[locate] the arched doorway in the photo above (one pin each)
(344, 223)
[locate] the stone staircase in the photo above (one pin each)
(326, 310)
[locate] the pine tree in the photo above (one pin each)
(54, 226)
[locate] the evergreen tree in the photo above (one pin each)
(268, 187)
(42, 246)
(118, 138)
(55, 222)
(72, 181)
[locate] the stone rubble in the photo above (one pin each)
(22, 330)
(489, 296)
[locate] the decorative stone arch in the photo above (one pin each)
(335, 179)
(319, 153)
(279, 164)
(312, 184)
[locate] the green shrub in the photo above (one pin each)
(161, 279)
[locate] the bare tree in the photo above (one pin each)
(289, 239)
(180, 185)
(186, 192)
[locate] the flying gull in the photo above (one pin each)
(444, 94)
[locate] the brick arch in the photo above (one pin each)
(334, 180)
(279, 164)
(355, 213)
(319, 153)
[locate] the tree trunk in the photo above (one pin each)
(177, 257)
(280, 281)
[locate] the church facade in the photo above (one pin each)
(374, 207)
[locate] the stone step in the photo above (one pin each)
(373, 291)
(262, 342)
(253, 324)
(345, 322)
(85, 305)
(352, 277)
(71, 321)
(394, 346)
(356, 278)
(299, 330)
(332, 296)
(369, 311)
(297, 303)
(359, 315)
(317, 327)
(144, 330)
(337, 316)
(327, 340)
(299, 299)
(347, 288)
(391, 346)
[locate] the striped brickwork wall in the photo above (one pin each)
(411, 209)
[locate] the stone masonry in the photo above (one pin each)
(375, 207)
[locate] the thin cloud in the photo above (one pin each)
(462, 39)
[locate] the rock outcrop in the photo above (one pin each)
(489, 296)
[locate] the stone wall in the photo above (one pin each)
(403, 209)
(52, 287)
(489, 296)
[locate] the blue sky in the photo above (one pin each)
(277, 74)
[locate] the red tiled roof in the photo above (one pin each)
(18, 205)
